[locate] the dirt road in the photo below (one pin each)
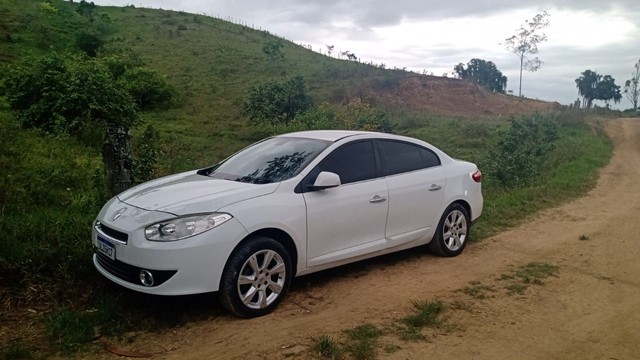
(591, 310)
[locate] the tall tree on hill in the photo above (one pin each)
(586, 85)
(607, 90)
(525, 42)
(632, 88)
(593, 86)
(484, 73)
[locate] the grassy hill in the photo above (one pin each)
(51, 186)
(213, 63)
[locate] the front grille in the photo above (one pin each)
(115, 234)
(130, 273)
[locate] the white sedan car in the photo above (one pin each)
(286, 206)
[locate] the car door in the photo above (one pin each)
(416, 182)
(348, 220)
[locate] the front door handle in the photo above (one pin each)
(435, 187)
(377, 199)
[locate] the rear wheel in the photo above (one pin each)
(256, 278)
(452, 232)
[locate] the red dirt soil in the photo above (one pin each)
(461, 98)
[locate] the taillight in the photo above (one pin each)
(477, 176)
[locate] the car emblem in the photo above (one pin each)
(119, 213)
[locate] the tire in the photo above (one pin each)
(452, 233)
(256, 278)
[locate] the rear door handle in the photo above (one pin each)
(377, 199)
(435, 187)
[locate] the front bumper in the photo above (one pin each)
(190, 266)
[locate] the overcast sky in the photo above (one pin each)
(434, 35)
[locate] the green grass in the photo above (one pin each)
(536, 272)
(570, 171)
(362, 341)
(516, 288)
(427, 314)
(70, 329)
(365, 341)
(477, 290)
(533, 273)
(326, 347)
(17, 350)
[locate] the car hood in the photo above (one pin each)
(189, 193)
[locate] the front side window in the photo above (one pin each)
(352, 162)
(272, 160)
(400, 157)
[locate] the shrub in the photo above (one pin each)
(273, 49)
(278, 102)
(521, 150)
(148, 88)
(360, 115)
(65, 94)
(320, 117)
(89, 43)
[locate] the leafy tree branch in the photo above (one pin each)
(524, 43)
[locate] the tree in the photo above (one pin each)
(484, 73)
(71, 94)
(631, 88)
(586, 85)
(525, 42)
(607, 90)
(278, 102)
(593, 86)
(87, 9)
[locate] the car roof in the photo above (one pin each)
(328, 135)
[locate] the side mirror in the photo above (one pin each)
(326, 180)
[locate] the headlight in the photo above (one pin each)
(184, 227)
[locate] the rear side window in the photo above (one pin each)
(400, 157)
(352, 162)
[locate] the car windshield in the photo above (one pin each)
(272, 160)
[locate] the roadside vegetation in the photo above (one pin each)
(426, 319)
(367, 341)
(220, 96)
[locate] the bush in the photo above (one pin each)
(359, 115)
(89, 43)
(273, 49)
(278, 102)
(148, 88)
(521, 150)
(64, 94)
(320, 117)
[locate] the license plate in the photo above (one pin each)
(106, 248)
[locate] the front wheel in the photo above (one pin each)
(452, 232)
(256, 278)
